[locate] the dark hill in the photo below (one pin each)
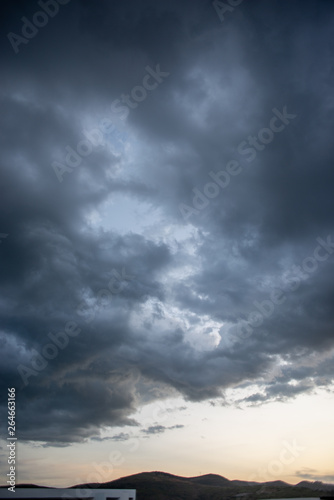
(316, 485)
(209, 480)
(277, 484)
(164, 486)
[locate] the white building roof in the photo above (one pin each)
(68, 494)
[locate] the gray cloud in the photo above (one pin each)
(173, 328)
(159, 429)
(313, 475)
(121, 436)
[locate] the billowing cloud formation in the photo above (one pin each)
(168, 200)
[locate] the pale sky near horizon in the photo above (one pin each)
(166, 239)
(236, 443)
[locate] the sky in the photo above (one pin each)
(167, 239)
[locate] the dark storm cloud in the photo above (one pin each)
(224, 81)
